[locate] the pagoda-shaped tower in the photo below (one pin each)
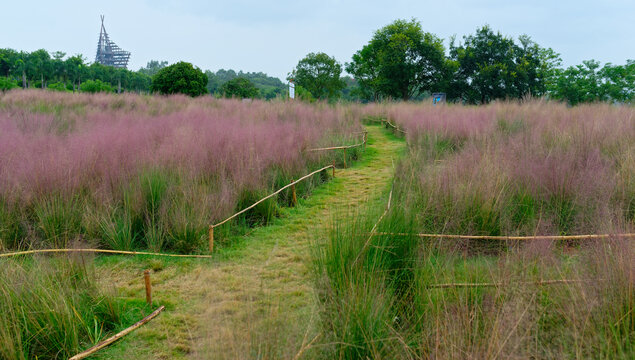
(108, 53)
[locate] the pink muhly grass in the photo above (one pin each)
(573, 165)
(93, 146)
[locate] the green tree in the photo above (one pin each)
(401, 61)
(7, 60)
(486, 65)
(492, 66)
(39, 67)
(153, 67)
(319, 74)
(181, 77)
(239, 87)
(269, 87)
(75, 69)
(588, 82)
(618, 82)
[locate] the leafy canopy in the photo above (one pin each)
(182, 77)
(492, 66)
(400, 61)
(320, 75)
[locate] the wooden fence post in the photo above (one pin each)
(294, 199)
(146, 276)
(345, 166)
(211, 238)
(333, 168)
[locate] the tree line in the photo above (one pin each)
(400, 62)
(56, 71)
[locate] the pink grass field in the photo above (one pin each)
(575, 167)
(90, 149)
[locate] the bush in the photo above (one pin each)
(58, 86)
(180, 78)
(7, 84)
(95, 86)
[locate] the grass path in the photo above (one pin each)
(254, 299)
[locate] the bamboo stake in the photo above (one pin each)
(211, 239)
(146, 277)
(294, 198)
(44, 251)
(116, 337)
(271, 195)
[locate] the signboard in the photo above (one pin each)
(291, 90)
(438, 98)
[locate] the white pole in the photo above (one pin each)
(291, 90)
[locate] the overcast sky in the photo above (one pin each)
(272, 36)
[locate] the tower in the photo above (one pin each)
(108, 53)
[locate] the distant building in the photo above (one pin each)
(108, 53)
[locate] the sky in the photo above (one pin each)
(272, 36)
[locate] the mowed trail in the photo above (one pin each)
(255, 300)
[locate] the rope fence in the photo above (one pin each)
(512, 238)
(363, 143)
(118, 336)
(499, 284)
(338, 147)
(211, 227)
(106, 251)
(395, 127)
(387, 123)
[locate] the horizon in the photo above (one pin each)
(252, 37)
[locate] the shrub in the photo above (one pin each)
(7, 84)
(58, 86)
(180, 78)
(95, 86)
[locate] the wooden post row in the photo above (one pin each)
(146, 276)
(211, 238)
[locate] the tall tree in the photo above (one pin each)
(39, 66)
(320, 75)
(492, 66)
(400, 61)
(486, 65)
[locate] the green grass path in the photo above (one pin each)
(254, 299)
